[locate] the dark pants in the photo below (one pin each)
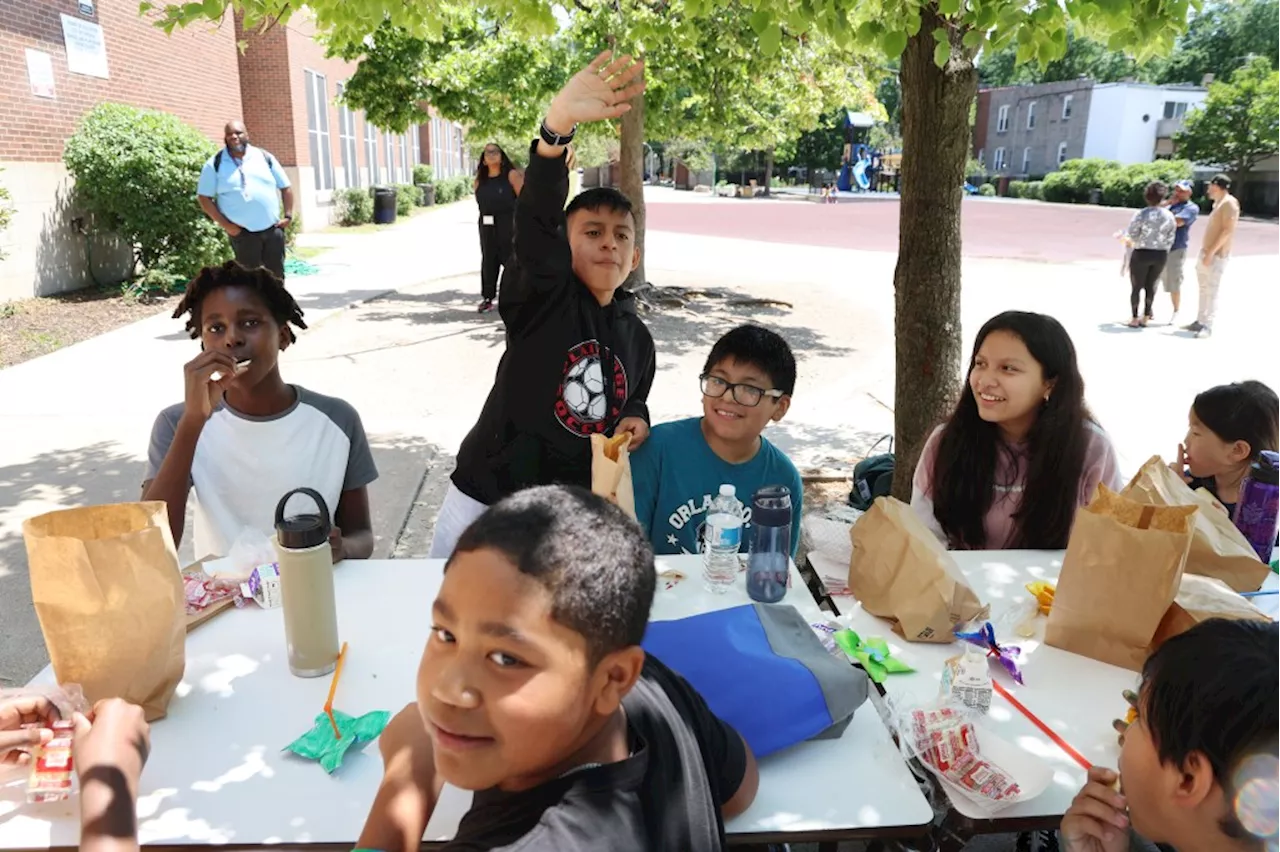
(497, 251)
(1145, 266)
(260, 248)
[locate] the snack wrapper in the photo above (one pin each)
(1006, 655)
(51, 771)
(967, 679)
(1043, 592)
(203, 591)
(263, 586)
(947, 743)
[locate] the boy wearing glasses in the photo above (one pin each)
(746, 384)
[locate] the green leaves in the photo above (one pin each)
(893, 43)
(1239, 124)
(770, 39)
(941, 53)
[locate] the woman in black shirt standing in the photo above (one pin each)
(497, 186)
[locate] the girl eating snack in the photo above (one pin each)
(1227, 427)
(1020, 452)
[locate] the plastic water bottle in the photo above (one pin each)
(721, 541)
(769, 565)
(1258, 507)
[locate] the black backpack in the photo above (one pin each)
(217, 160)
(872, 477)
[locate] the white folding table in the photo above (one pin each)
(1077, 697)
(217, 775)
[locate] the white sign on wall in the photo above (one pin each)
(86, 47)
(40, 73)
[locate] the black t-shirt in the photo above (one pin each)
(685, 763)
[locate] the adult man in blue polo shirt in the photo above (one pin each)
(1184, 212)
(241, 188)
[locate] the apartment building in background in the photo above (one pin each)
(1029, 131)
(58, 58)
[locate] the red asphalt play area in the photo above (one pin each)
(993, 228)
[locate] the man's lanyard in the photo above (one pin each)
(237, 163)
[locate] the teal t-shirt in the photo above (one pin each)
(676, 475)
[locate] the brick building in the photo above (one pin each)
(1028, 131)
(60, 57)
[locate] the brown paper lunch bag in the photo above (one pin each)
(1200, 599)
(1121, 572)
(109, 596)
(1218, 548)
(612, 479)
(901, 572)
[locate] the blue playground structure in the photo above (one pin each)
(860, 163)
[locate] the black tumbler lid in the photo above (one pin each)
(302, 532)
(771, 507)
(1264, 468)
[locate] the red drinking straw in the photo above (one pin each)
(1049, 732)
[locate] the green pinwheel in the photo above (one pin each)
(321, 745)
(872, 654)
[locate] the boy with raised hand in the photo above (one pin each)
(578, 361)
(1199, 765)
(746, 384)
(243, 437)
(534, 692)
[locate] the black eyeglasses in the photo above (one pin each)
(748, 395)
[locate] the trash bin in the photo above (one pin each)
(428, 194)
(1095, 196)
(384, 205)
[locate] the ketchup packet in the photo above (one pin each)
(51, 770)
(947, 743)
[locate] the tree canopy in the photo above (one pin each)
(1239, 123)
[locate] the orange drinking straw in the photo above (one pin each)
(1049, 732)
(333, 688)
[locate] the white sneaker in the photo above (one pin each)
(1204, 332)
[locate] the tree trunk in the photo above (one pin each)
(768, 171)
(926, 282)
(632, 181)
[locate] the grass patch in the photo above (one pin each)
(310, 252)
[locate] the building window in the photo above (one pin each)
(1031, 116)
(1062, 152)
(1002, 122)
(415, 145)
(1026, 160)
(371, 150)
(438, 161)
(403, 138)
(999, 163)
(1175, 109)
(347, 142)
(982, 157)
(1066, 106)
(318, 129)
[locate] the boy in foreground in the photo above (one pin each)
(1199, 764)
(243, 437)
(746, 385)
(579, 361)
(534, 692)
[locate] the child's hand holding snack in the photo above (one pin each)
(1180, 466)
(638, 429)
(207, 377)
(24, 724)
(1096, 820)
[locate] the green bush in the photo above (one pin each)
(407, 198)
(1124, 187)
(453, 189)
(987, 190)
(1035, 189)
(353, 207)
(422, 173)
(1076, 179)
(136, 172)
(1017, 189)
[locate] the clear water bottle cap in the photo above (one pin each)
(727, 490)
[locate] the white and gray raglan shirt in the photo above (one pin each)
(243, 464)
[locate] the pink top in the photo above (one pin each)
(1099, 466)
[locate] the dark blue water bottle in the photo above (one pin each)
(769, 565)
(1258, 506)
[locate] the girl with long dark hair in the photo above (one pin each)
(498, 184)
(1021, 452)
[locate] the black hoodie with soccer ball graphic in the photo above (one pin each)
(572, 368)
